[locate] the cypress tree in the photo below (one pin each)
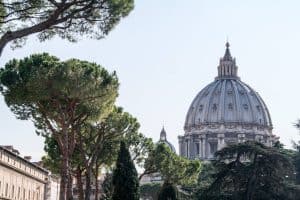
(125, 177)
(168, 192)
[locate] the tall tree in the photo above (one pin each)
(68, 19)
(249, 171)
(58, 97)
(125, 178)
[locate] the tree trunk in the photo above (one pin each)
(64, 178)
(79, 184)
(88, 187)
(70, 187)
(96, 183)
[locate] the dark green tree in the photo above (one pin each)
(125, 178)
(68, 19)
(59, 97)
(249, 171)
(168, 192)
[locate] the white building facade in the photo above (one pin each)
(22, 180)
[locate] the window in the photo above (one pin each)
(200, 108)
(258, 108)
(213, 148)
(197, 149)
(214, 107)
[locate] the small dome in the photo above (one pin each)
(163, 139)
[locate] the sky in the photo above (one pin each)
(165, 52)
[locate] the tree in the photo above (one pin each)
(98, 146)
(58, 97)
(68, 19)
(205, 178)
(249, 171)
(172, 168)
(168, 192)
(125, 180)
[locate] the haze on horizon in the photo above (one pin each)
(165, 52)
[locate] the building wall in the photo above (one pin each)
(20, 179)
(52, 188)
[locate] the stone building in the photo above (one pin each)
(22, 180)
(226, 111)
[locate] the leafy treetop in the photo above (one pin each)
(68, 19)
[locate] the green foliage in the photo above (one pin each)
(168, 192)
(150, 191)
(139, 147)
(205, 178)
(67, 19)
(125, 180)
(86, 87)
(173, 168)
(52, 159)
(249, 170)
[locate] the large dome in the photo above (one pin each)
(225, 112)
(230, 101)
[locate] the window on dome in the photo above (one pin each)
(230, 106)
(258, 108)
(214, 107)
(245, 106)
(229, 92)
(200, 108)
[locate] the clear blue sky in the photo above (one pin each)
(165, 52)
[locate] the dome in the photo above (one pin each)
(227, 100)
(163, 139)
(227, 111)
